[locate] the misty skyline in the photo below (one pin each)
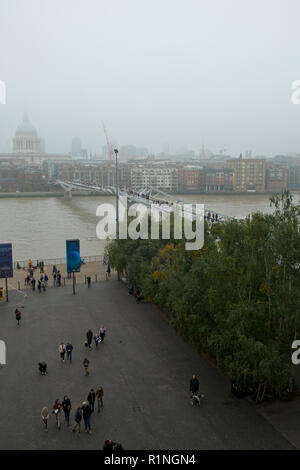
(182, 73)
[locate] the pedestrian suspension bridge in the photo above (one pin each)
(150, 196)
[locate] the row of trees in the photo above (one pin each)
(237, 299)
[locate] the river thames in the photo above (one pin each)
(39, 226)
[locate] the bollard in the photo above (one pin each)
(85, 279)
(19, 287)
(96, 279)
(64, 281)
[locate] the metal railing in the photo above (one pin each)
(56, 261)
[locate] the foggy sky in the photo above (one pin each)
(181, 72)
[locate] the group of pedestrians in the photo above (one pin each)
(63, 349)
(56, 276)
(67, 349)
(98, 338)
(83, 412)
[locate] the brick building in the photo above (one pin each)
(249, 174)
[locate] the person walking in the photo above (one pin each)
(89, 338)
(89, 281)
(58, 279)
(78, 418)
(46, 278)
(86, 363)
(56, 411)
(45, 417)
(108, 272)
(18, 316)
(69, 349)
(62, 351)
(91, 399)
(33, 283)
(102, 333)
(194, 385)
(99, 395)
(39, 286)
(86, 413)
(66, 406)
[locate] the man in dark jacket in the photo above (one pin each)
(78, 418)
(91, 399)
(66, 406)
(194, 385)
(89, 337)
(69, 349)
(86, 413)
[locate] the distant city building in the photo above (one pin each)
(130, 152)
(29, 148)
(160, 177)
(218, 179)
(294, 177)
(249, 174)
(277, 178)
(77, 151)
(26, 139)
(191, 178)
(19, 176)
(76, 147)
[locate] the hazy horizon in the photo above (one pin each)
(182, 73)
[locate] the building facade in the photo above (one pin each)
(276, 178)
(249, 174)
(160, 177)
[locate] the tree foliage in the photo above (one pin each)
(237, 298)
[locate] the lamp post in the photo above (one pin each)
(117, 203)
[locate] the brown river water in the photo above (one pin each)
(39, 226)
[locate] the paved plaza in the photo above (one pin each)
(143, 366)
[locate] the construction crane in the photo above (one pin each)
(109, 147)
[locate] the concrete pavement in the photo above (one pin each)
(143, 366)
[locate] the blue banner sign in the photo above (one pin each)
(6, 261)
(73, 256)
